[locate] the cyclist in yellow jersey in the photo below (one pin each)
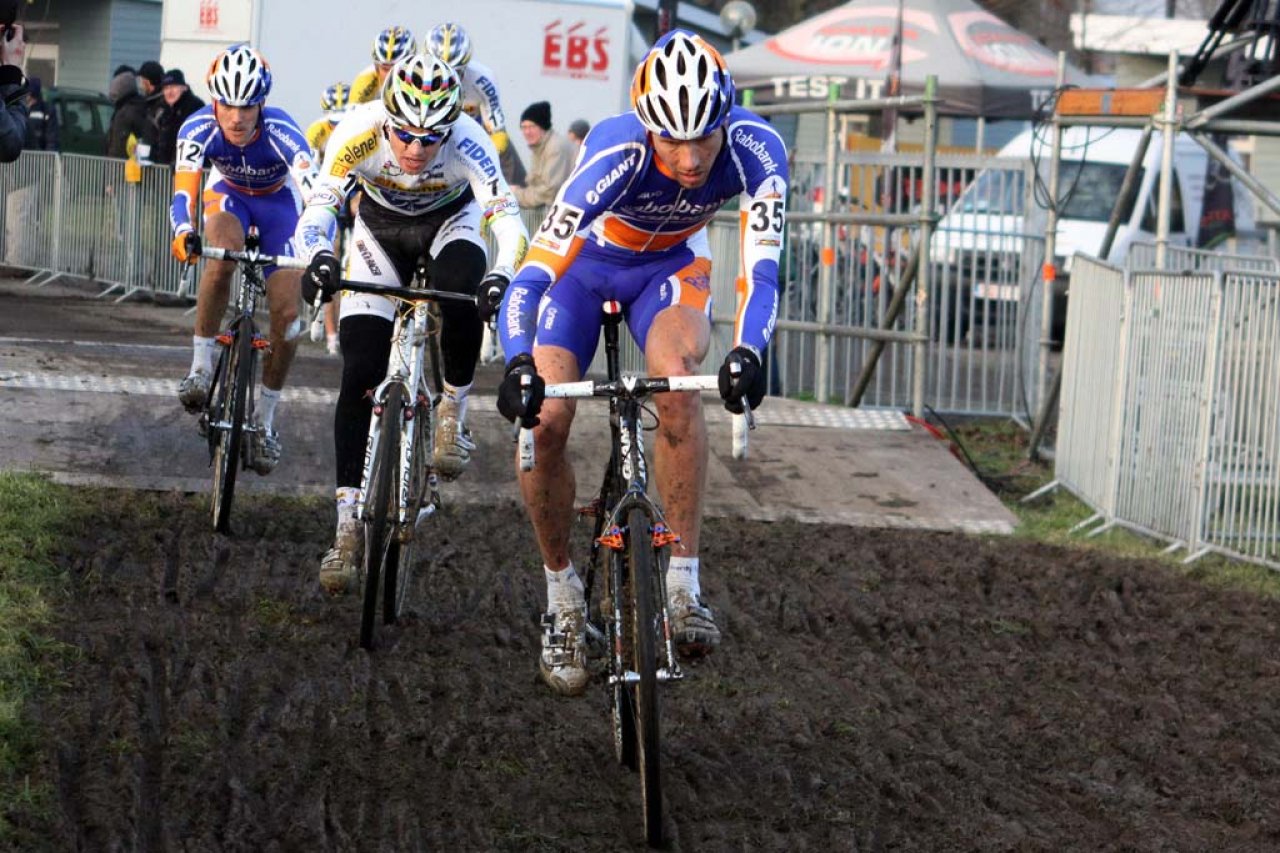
(392, 45)
(333, 102)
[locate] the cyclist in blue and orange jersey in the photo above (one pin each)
(333, 103)
(260, 162)
(480, 99)
(389, 47)
(428, 177)
(629, 225)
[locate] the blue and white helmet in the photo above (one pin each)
(239, 77)
(450, 42)
(682, 88)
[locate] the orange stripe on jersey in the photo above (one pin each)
(627, 236)
(556, 262)
(214, 202)
(693, 285)
(188, 182)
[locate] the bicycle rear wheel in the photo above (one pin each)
(382, 498)
(226, 419)
(399, 570)
(646, 616)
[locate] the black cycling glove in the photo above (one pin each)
(321, 277)
(489, 296)
(512, 392)
(749, 382)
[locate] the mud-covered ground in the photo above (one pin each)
(877, 690)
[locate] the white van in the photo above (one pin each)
(979, 245)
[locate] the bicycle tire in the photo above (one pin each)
(646, 616)
(398, 571)
(622, 698)
(229, 408)
(381, 500)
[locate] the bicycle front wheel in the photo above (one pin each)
(382, 498)
(399, 570)
(226, 419)
(646, 613)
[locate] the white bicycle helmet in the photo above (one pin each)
(335, 99)
(239, 77)
(422, 91)
(392, 45)
(682, 89)
(450, 42)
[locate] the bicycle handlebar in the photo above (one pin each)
(214, 253)
(637, 386)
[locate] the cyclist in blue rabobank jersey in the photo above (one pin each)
(260, 161)
(629, 225)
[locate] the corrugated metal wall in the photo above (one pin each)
(135, 32)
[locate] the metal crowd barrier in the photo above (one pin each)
(77, 215)
(1170, 412)
(1142, 256)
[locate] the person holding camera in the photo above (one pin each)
(13, 83)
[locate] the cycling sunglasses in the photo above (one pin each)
(431, 137)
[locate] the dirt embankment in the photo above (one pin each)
(878, 690)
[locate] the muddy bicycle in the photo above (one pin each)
(399, 486)
(227, 420)
(628, 622)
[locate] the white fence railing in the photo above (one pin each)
(1170, 413)
(1142, 256)
(78, 215)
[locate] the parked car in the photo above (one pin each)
(83, 119)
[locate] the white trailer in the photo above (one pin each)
(576, 54)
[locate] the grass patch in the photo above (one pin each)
(997, 449)
(34, 515)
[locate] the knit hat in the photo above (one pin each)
(122, 86)
(173, 77)
(579, 127)
(152, 71)
(539, 113)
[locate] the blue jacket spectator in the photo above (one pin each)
(42, 122)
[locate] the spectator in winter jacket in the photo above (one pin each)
(13, 93)
(130, 116)
(552, 157)
(150, 80)
(179, 102)
(42, 122)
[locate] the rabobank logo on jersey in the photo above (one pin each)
(682, 208)
(746, 139)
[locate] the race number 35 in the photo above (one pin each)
(562, 221)
(767, 215)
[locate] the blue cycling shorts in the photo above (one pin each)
(570, 313)
(276, 215)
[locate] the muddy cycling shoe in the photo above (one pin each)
(340, 566)
(693, 628)
(453, 441)
(264, 450)
(193, 391)
(563, 662)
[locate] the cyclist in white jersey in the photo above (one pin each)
(429, 176)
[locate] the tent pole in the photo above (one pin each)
(980, 138)
(1169, 127)
(928, 199)
(826, 268)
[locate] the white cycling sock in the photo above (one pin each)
(202, 352)
(682, 575)
(460, 394)
(347, 497)
(564, 589)
(268, 399)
